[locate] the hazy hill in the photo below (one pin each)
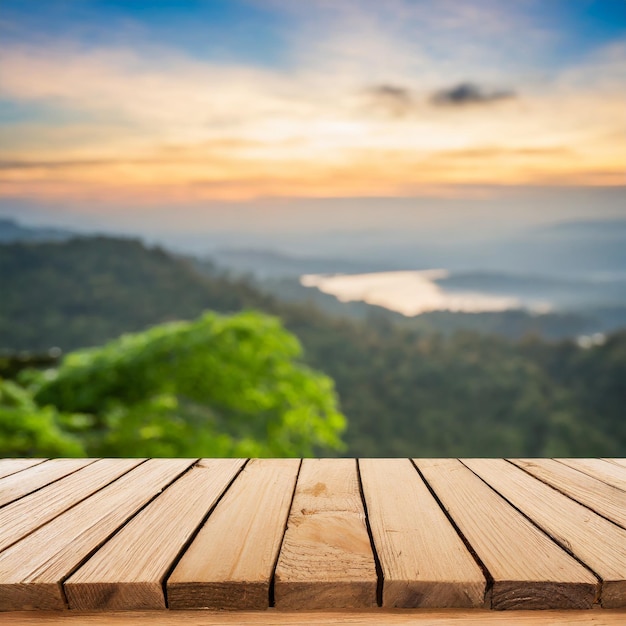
(88, 290)
(270, 264)
(580, 307)
(576, 249)
(106, 286)
(562, 293)
(12, 231)
(405, 392)
(602, 229)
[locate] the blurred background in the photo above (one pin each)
(271, 228)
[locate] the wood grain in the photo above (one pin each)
(605, 471)
(326, 560)
(29, 480)
(12, 466)
(528, 569)
(32, 570)
(128, 571)
(112, 530)
(604, 499)
(25, 515)
(375, 617)
(423, 559)
(598, 543)
(229, 564)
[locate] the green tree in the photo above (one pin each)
(217, 386)
(28, 430)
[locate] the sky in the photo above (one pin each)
(184, 119)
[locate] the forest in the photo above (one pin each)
(153, 347)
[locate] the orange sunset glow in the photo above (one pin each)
(145, 122)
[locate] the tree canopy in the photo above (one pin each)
(216, 386)
(405, 389)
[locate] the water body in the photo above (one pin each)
(407, 292)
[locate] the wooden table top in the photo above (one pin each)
(367, 535)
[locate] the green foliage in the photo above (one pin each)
(409, 394)
(87, 291)
(218, 386)
(29, 430)
(406, 390)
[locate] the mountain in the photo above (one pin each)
(571, 249)
(605, 229)
(406, 392)
(560, 293)
(87, 290)
(12, 231)
(582, 247)
(582, 304)
(271, 264)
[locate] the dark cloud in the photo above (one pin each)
(393, 100)
(399, 101)
(469, 93)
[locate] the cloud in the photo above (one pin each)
(47, 165)
(153, 124)
(464, 94)
(394, 100)
(399, 101)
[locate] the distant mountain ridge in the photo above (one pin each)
(409, 386)
(563, 293)
(603, 228)
(272, 264)
(12, 231)
(576, 266)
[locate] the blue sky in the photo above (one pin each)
(215, 29)
(111, 107)
(256, 32)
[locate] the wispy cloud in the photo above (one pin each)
(359, 112)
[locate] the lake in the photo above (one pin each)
(407, 292)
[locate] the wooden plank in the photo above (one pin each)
(604, 499)
(528, 569)
(12, 466)
(229, 564)
(412, 535)
(25, 482)
(32, 570)
(621, 462)
(376, 617)
(598, 543)
(326, 559)
(605, 471)
(128, 571)
(25, 515)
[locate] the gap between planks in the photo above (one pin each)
(411, 534)
(12, 466)
(128, 571)
(22, 517)
(529, 570)
(235, 571)
(34, 478)
(604, 499)
(368, 515)
(607, 472)
(326, 559)
(594, 541)
(32, 570)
